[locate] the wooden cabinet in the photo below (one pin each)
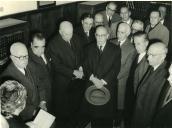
(11, 30)
(90, 7)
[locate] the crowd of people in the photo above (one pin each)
(123, 61)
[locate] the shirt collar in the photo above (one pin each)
(43, 57)
(141, 55)
(122, 42)
(102, 46)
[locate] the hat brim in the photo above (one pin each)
(97, 96)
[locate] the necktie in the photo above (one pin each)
(101, 49)
(109, 23)
(87, 33)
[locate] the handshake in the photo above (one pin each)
(78, 73)
(97, 82)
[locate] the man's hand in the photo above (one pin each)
(78, 74)
(43, 106)
(98, 83)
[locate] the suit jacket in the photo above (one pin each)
(65, 59)
(137, 72)
(128, 54)
(147, 97)
(84, 39)
(104, 66)
(163, 116)
(159, 32)
(31, 85)
(115, 19)
(43, 71)
(140, 72)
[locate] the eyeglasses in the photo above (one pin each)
(153, 55)
(103, 35)
(21, 57)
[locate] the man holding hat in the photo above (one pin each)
(101, 68)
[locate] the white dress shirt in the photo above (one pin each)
(44, 59)
(141, 56)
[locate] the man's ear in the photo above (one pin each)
(129, 13)
(107, 36)
(82, 22)
(60, 32)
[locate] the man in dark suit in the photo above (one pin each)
(125, 14)
(128, 54)
(150, 87)
(101, 68)
(110, 16)
(85, 31)
(20, 70)
(43, 67)
(156, 30)
(163, 117)
(65, 51)
(137, 71)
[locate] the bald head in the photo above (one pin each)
(19, 55)
(18, 49)
(157, 53)
(124, 31)
(66, 30)
(98, 19)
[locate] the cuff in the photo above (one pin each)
(104, 82)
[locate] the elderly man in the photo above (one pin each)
(157, 31)
(25, 74)
(42, 63)
(163, 118)
(128, 53)
(109, 14)
(150, 87)
(85, 32)
(137, 71)
(125, 14)
(65, 51)
(101, 68)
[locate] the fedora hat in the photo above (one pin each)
(97, 96)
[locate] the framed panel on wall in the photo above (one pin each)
(45, 4)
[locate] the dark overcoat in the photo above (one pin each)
(106, 66)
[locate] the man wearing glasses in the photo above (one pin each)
(20, 71)
(149, 89)
(109, 14)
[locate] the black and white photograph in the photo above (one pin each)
(85, 64)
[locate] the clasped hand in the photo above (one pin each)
(79, 73)
(98, 83)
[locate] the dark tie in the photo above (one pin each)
(101, 49)
(109, 23)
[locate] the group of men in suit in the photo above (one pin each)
(107, 50)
